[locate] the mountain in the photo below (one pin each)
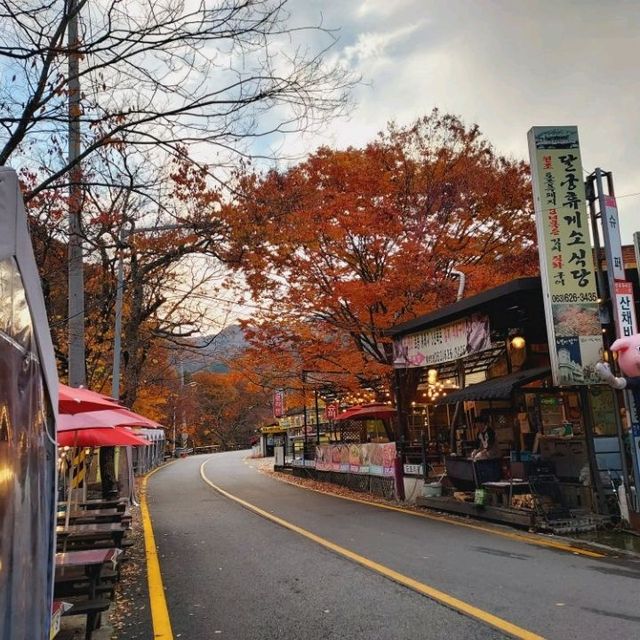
(209, 353)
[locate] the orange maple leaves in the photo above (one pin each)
(348, 243)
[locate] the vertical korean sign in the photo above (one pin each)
(625, 310)
(566, 258)
(278, 403)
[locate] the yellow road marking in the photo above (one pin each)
(541, 542)
(420, 587)
(159, 611)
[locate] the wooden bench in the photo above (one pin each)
(92, 609)
(76, 583)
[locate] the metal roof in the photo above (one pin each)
(448, 313)
(496, 388)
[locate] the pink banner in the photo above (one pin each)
(374, 459)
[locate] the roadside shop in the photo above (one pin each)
(556, 459)
(271, 436)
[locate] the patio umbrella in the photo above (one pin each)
(103, 436)
(100, 437)
(81, 400)
(368, 412)
(116, 417)
(82, 429)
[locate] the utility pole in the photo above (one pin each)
(117, 329)
(315, 396)
(608, 215)
(77, 364)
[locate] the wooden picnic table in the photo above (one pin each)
(85, 533)
(91, 561)
(100, 503)
(90, 516)
(84, 599)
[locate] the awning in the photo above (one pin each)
(496, 388)
(375, 411)
(499, 299)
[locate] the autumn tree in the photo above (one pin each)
(154, 77)
(228, 410)
(157, 74)
(349, 243)
(171, 259)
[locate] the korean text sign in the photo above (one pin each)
(566, 257)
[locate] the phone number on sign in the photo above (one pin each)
(575, 297)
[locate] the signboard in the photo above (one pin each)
(443, 344)
(566, 258)
(413, 470)
(374, 459)
(331, 411)
(612, 241)
(625, 310)
(275, 428)
(278, 403)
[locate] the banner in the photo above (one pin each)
(625, 310)
(374, 459)
(278, 403)
(612, 241)
(443, 344)
(331, 411)
(566, 258)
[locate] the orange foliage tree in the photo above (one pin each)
(349, 243)
(165, 271)
(225, 409)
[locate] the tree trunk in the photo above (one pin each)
(405, 387)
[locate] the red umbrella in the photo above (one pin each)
(100, 437)
(107, 418)
(72, 400)
(137, 420)
(368, 412)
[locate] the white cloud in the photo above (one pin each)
(505, 65)
(376, 45)
(381, 8)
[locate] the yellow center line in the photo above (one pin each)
(540, 542)
(159, 611)
(424, 589)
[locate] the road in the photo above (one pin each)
(229, 572)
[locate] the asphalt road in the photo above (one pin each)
(230, 573)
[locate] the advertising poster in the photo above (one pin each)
(603, 409)
(374, 459)
(443, 344)
(566, 260)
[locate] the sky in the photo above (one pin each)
(506, 65)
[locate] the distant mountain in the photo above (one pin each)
(209, 353)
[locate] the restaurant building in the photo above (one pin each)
(560, 450)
